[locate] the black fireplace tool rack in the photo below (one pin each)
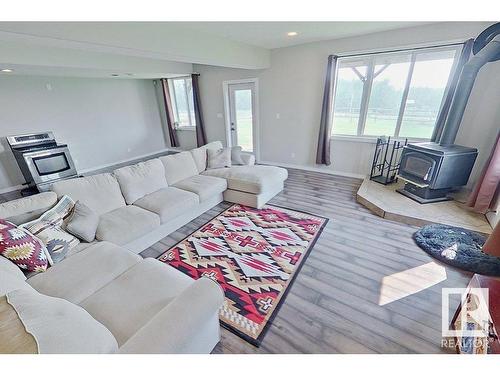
(386, 160)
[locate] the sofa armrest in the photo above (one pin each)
(248, 159)
(172, 328)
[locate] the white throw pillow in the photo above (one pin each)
(219, 158)
(60, 327)
(236, 158)
(83, 223)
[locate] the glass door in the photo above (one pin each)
(242, 115)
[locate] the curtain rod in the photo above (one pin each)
(400, 50)
(183, 76)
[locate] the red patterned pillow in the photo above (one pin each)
(22, 248)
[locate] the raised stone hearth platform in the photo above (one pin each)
(389, 204)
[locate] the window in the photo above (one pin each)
(395, 94)
(181, 92)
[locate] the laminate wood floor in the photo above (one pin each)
(365, 287)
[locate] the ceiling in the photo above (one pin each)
(272, 35)
(158, 49)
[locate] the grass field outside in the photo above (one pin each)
(412, 127)
(245, 129)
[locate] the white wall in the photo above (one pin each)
(102, 120)
(293, 87)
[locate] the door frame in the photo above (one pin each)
(256, 114)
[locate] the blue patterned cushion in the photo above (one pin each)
(50, 229)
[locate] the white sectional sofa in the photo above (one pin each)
(146, 306)
(140, 204)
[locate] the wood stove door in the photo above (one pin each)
(417, 167)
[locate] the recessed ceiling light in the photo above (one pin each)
(292, 33)
(6, 70)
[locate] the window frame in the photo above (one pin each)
(191, 125)
(370, 59)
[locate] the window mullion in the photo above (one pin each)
(404, 98)
(174, 101)
(365, 98)
(187, 101)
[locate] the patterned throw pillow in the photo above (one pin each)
(56, 239)
(50, 229)
(22, 248)
(60, 213)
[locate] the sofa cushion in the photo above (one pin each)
(178, 166)
(100, 192)
(254, 179)
(22, 248)
(81, 246)
(28, 208)
(205, 187)
(85, 272)
(168, 203)
(141, 179)
(11, 277)
(132, 299)
(60, 327)
(200, 154)
(126, 224)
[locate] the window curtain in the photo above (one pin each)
(487, 190)
(445, 108)
(167, 101)
(201, 138)
(325, 126)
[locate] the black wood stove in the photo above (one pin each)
(432, 169)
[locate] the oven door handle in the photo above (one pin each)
(42, 153)
(413, 182)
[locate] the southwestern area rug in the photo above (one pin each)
(254, 254)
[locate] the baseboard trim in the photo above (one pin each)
(315, 169)
(11, 188)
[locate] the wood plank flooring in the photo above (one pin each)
(333, 305)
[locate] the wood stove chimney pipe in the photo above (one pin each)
(489, 52)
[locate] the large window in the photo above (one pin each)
(395, 94)
(181, 92)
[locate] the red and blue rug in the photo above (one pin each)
(254, 254)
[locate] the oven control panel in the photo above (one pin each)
(29, 140)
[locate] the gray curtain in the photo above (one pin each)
(325, 126)
(201, 138)
(445, 107)
(167, 101)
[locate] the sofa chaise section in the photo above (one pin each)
(251, 185)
